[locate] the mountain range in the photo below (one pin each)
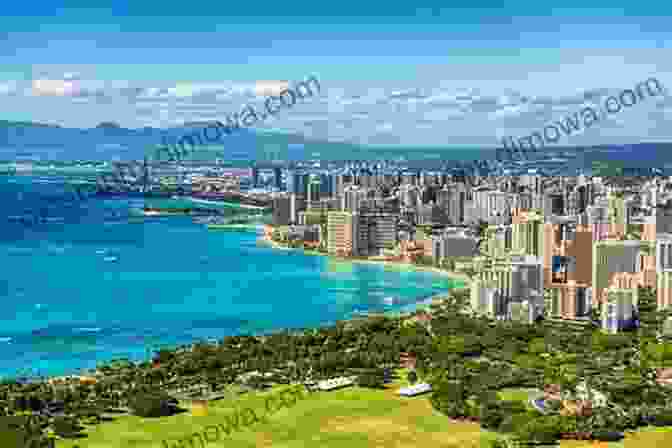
(20, 140)
(109, 141)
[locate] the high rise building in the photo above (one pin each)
(664, 270)
(255, 177)
(377, 232)
(282, 215)
(614, 257)
(297, 183)
(453, 243)
(326, 185)
(313, 188)
(429, 214)
(617, 312)
(339, 182)
(485, 298)
(297, 204)
(568, 267)
(554, 203)
(353, 197)
(491, 206)
(515, 278)
(277, 177)
(409, 196)
(597, 217)
(342, 233)
(409, 178)
(527, 235)
(452, 198)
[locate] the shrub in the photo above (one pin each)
(663, 418)
(151, 405)
(568, 425)
(472, 411)
(542, 429)
(491, 415)
(449, 398)
(608, 436)
(513, 406)
(12, 437)
(372, 378)
(66, 427)
(512, 422)
(499, 442)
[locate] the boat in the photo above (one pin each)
(111, 259)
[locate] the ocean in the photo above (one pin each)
(95, 282)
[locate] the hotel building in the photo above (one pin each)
(342, 233)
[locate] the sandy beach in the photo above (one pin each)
(393, 264)
(225, 204)
(422, 303)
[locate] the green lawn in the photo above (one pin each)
(351, 417)
(516, 394)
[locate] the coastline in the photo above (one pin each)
(451, 274)
(225, 204)
(421, 303)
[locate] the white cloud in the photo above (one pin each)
(55, 87)
(408, 113)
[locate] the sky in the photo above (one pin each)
(391, 73)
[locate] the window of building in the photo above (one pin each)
(581, 302)
(558, 235)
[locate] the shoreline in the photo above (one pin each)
(451, 274)
(420, 304)
(225, 204)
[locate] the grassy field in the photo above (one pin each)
(351, 417)
(515, 394)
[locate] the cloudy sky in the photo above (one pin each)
(392, 73)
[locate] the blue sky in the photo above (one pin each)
(393, 73)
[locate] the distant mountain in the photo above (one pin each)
(108, 140)
(196, 124)
(108, 125)
(6, 123)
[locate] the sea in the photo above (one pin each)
(87, 281)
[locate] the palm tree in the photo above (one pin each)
(548, 301)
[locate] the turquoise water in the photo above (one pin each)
(173, 282)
